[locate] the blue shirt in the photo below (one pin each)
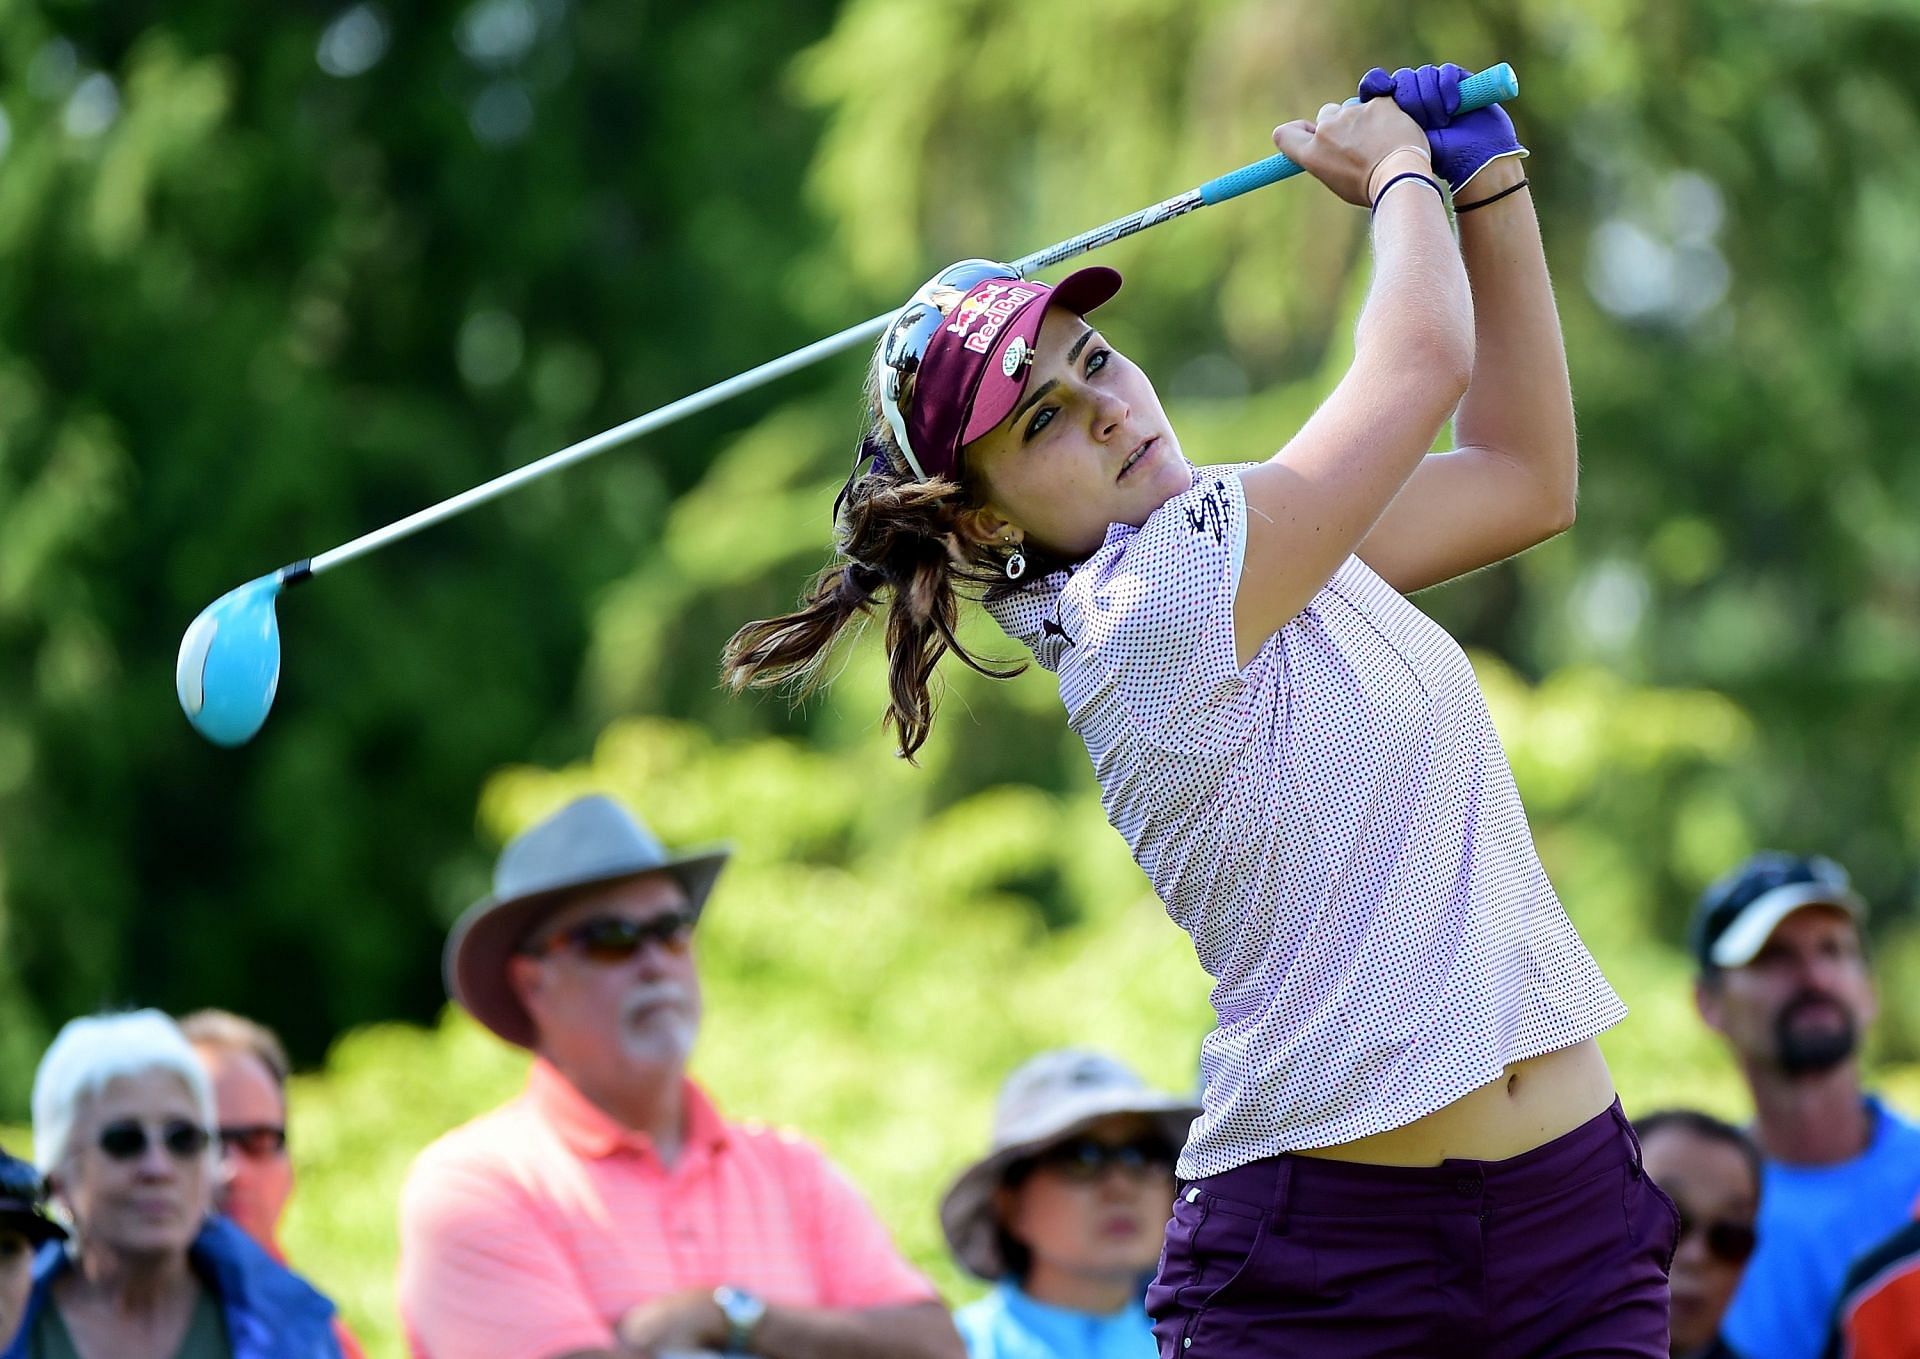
(269, 1311)
(1814, 1221)
(1007, 1324)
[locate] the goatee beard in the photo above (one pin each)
(1811, 1053)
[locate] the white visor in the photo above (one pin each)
(1742, 941)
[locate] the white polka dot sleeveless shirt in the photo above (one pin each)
(1335, 825)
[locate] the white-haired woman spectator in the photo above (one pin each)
(122, 1120)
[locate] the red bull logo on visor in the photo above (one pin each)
(985, 311)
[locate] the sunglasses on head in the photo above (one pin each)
(903, 347)
(127, 1139)
(1731, 1243)
(614, 938)
(1085, 1159)
(256, 1141)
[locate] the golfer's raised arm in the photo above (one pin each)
(1511, 480)
(1310, 505)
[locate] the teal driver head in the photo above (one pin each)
(229, 665)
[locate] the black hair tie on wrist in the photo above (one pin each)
(1490, 198)
(1427, 180)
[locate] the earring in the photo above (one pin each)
(1016, 563)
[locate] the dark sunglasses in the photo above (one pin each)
(1085, 1159)
(256, 1141)
(904, 345)
(614, 938)
(1731, 1243)
(126, 1139)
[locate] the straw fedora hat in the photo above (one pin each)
(591, 840)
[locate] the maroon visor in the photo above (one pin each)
(975, 365)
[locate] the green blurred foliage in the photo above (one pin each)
(276, 276)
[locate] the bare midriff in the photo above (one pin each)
(1531, 1103)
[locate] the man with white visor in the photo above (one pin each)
(1783, 978)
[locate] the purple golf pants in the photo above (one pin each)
(1561, 1252)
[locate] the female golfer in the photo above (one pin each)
(1410, 1143)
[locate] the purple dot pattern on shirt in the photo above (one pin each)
(1335, 826)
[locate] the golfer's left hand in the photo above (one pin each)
(1463, 144)
(687, 1320)
(1345, 146)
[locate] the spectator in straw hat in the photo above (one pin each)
(1064, 1216)
(610, 1212)
(24, 1228)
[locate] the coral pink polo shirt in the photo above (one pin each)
(530, 1231)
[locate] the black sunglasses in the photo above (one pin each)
(1085, 1159)
(614, 938)
(1731, 1243)
(257, 1141)
(126, 1139)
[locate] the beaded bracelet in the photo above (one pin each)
(1427, 180)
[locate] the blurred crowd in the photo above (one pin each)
(612, 1211)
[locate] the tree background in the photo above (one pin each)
(272, 277)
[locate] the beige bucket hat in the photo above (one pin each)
(1051, 1098)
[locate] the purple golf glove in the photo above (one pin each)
(1462, 146)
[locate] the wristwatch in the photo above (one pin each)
(743, 1311)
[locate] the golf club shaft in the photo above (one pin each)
(586, 448)
(1477, 91)
(1494, 85)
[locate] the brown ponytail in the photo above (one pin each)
(899, 537)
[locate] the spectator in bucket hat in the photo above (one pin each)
(610, 1211)
(1064, 1214)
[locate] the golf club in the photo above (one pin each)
(229, 664)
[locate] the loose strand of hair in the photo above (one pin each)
(900, 538)
(791, 649)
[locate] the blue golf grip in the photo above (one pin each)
(1495, 85)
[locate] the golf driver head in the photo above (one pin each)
(229, 664)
